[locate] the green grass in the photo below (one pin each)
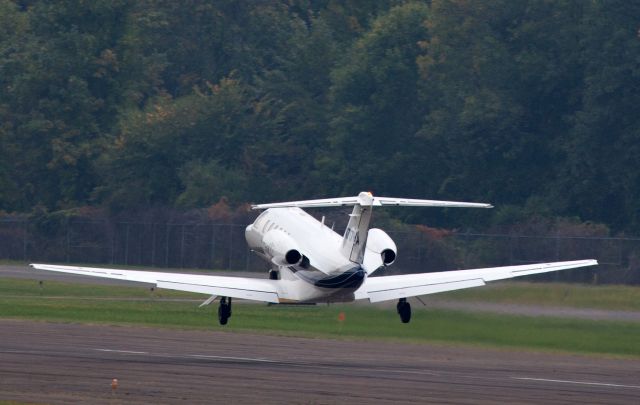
(26, 300)
(609, 297)
(27, 288)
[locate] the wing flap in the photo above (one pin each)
(244, 288)
(425, 289)
(236, 287)
(411, 285)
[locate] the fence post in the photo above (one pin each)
(510, 250)
(213, 245)
(141, 238)
(182, 248)
(68, 241)
(166, 252)
(113, 242)
(153, 246)
(24, 240)
(465, 249)
(126, 245)
(420, 244)
(230, 246)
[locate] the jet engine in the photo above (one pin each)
(388, 256)
(381, 250)
(283, 249)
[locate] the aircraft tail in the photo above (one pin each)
(354, 240)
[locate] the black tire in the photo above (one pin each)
(223, 314)
(404, 309)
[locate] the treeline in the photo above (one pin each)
(533, 106)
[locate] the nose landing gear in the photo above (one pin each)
(224, 310)
(404, 310)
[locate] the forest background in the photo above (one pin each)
(165, 111)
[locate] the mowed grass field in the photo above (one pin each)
(62, 302)
(607, 297)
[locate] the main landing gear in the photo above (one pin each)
(224, 310)
(404, 310)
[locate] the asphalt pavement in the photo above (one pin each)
(63, 363)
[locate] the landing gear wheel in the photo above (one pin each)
(404, 310)
(273, 274)
(224, 310)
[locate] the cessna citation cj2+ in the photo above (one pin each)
(310, 263)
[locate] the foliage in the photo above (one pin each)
(529, 104)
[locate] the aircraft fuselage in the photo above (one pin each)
(306, 253)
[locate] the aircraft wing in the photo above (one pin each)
(410, 285)
(237, 287)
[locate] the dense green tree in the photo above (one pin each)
(470, 81)
(347, 19)
(185, 44)
(142, 163)
(601, 180)
(13, 29)
(501, 79)
(263, 134)
(376, 108)
(529, 104)
(58, 84)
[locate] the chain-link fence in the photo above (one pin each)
(210, 245)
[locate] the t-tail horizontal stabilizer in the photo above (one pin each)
(354, 241)
(366, 199)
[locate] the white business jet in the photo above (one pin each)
(310, 263)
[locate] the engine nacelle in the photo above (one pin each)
(381, 250)
(282, 248)
(388, 256)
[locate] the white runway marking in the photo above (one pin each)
(192, 356)
(369, 369)
(577, 382)
(263, 360)
(120, 351)
(204, 356)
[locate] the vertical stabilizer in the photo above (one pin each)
(354, 240)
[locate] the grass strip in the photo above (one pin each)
(33, 288)
(606, 297)
(21, 299)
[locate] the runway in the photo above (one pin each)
(59, 363)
